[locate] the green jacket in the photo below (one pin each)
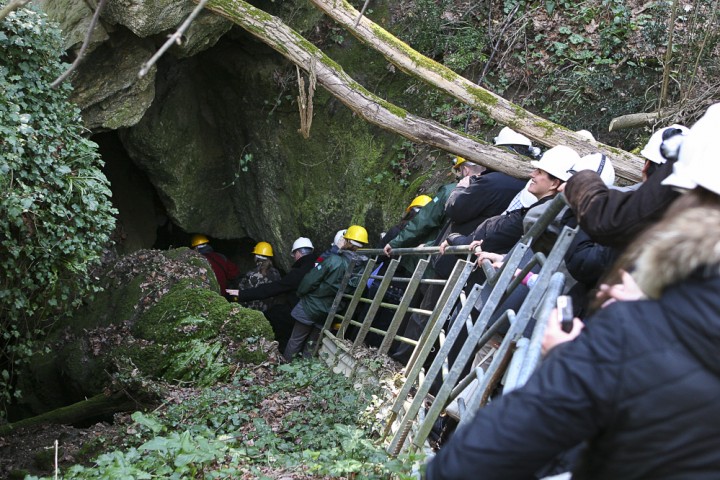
(320, 285)
(426, 225)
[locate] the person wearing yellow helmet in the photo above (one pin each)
(318, 289)
(264, 272)
(225, 270)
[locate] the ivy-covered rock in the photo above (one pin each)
(55, 210)
(159, 317)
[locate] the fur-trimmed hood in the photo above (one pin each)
(688, 244)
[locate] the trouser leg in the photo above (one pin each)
(297, 340)
(416, 324)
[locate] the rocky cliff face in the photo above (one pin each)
(214, 128)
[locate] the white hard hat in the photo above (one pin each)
(301, 242)
(558, 162)
(599, 163)
(339, 239)
(508, 136)
(699, 160)
(586, 134)
(651, 151)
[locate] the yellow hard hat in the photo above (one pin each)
(457, 162)
(198, 240)
(356, 233)
(264, 249)
(419, 201)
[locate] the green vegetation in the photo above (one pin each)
(55, 210)
(298, 418)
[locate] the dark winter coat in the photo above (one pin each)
(487, 195)
(318, 288)
(641, 383)
(499, 233)
(287, 284)
(224, 269)
(424, 228)
(614, 217)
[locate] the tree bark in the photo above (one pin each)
(96, 406)
(370, 107)
(633, 120)
(538, 129)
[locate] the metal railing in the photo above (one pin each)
(409, 422)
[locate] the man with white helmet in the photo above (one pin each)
(283, 291)
(614, 217)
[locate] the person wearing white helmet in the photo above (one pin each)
(516, 142)
(613, 217)
(638, 384)
(318, 289)
(669, 139)
(282, 291)
(499, 233)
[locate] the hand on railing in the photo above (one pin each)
(554, 334)
(387, 250)
(443, 246)
(628, 290)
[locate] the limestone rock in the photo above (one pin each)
(107, 87)
(74, 17)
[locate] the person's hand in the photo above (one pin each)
(554, 334)
(476, 246)
(443, 246)
(496, 259)
(626, 291)
(387, 250)
(465, 182)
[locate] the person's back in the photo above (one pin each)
(225, 271)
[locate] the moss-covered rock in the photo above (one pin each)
(159, 317)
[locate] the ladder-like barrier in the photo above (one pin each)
(409, 420)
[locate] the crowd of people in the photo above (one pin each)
(630, 391)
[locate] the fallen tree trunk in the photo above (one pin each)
(633, 120)
(545, 132)
(97, 406)
(370, 107)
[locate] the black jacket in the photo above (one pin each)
(641, 384)
(614, 217)
(287, 284)
(499, 233)
(487, 195)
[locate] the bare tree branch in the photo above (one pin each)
(14, 5)
(96, 16)
(174, 38)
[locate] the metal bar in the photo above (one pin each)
(396, 252)
(468, 348)
(402, 308)
(556, 206)
(412, 372)
(440, 360)
(534, 352)
(524, 314)
(375, 305)
(359, 289)
(451, 292)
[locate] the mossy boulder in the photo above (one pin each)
(159, 318)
